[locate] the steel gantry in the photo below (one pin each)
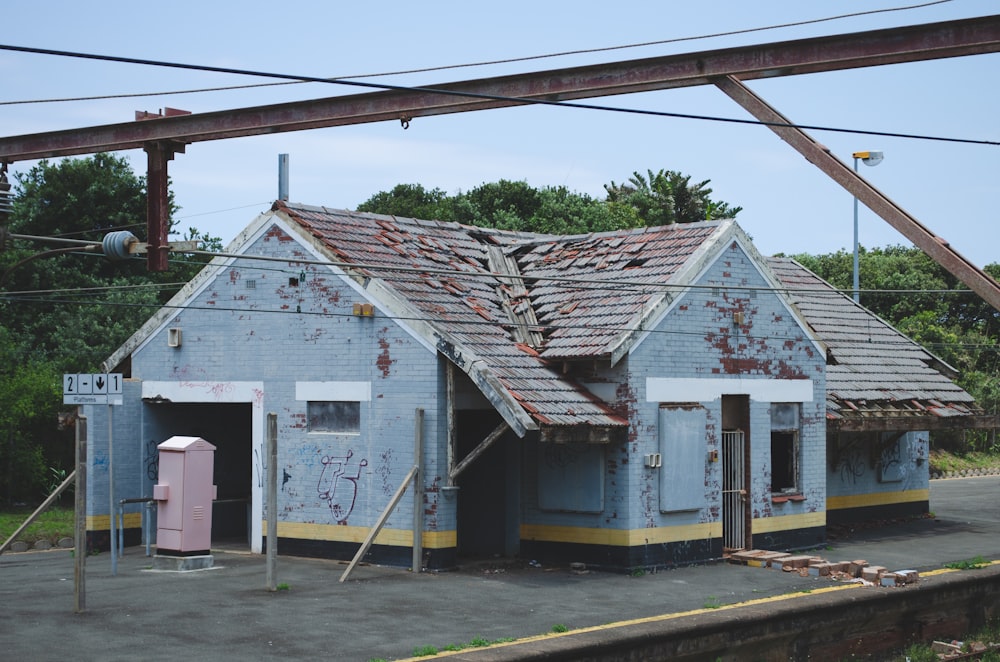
(727, 68)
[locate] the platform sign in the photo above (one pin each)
(102, 388)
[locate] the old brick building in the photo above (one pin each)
(639, 398)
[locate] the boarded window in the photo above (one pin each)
(785, 450)
(683, 450)
(342, 417)
(571, 477)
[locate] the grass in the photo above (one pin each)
(921, 652)
(712, 603)
(942, 461)
(53, 524)
(974, 563)
(476, 642)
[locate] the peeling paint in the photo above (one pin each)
(384, 361)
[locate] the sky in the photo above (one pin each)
(789, 206)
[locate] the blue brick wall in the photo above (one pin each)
(252, 324)
(696, 339)
(871, 463)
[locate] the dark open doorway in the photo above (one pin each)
(488, 506)
(228, 427)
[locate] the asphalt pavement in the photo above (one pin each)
(226, 613)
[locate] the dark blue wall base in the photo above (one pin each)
(433, 559)
(623, 559)
(889, 511)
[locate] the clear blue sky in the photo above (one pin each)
(789, 206)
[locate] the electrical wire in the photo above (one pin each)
(492, 97)
(579, 282)
(584, 51)
(867, 343)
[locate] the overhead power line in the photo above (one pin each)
(579, 283)
(512, 60)
(473, 321)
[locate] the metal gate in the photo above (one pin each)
(734, 494)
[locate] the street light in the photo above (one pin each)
(870, 158)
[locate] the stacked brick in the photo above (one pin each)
(806, 565)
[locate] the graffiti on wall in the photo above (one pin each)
(384, 471)
(338, 484)
(152, 460)
(851, 465)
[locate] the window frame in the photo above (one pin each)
(353, 426)
(787, 431)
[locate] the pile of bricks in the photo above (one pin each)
(808, 565)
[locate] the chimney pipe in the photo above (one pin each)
(283, 177)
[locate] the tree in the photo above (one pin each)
(667, 197)
(410, 200)
(66, 310)
(660, 198)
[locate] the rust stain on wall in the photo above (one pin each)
(384, 361)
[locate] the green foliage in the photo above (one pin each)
(662, 198)
(559, 627)
(712, 602)
(51, 525)
(423, 651)
(920, 653)
(68, 310)
(410, 200)
(975, 563)
(667, 196)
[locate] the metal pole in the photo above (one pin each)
(283, 177)
(857, 288)
(80, 522)
(111, 497)
(418, 491)
(272, 500)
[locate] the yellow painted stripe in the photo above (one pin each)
(103, 522)
(648, 619)
(876, 499)
(788, 522)
(357, 534)
(663, 534)
(621, 537)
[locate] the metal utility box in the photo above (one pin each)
(184, 493)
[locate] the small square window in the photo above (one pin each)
(341, 417)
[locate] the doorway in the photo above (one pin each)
(736, 521)
(488, 504)
(228, 427)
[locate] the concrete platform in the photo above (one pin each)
(388, 613)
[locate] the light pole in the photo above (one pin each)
(871, 159)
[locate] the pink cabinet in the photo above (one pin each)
(184, 493)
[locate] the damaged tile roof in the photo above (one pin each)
(507, 307)
(468, 309)
(583, 321)
(873, 371)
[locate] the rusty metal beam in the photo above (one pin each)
(937, 248)
(158, 154)
(804, 56)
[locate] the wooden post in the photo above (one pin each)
(450, 404)
(80, 521)
(272, 500)
(418, 491)
(378, 524)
